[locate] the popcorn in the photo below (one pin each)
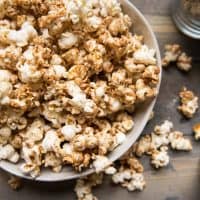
(100, 163)
(84, 186)
(143, 146)
(14, 182)
(110, 170)
(137, 183)
(28, 32)
(189, 103)
(196, 129)
(51, 141)
(70, 72)
(29, 73)
(145, 56)
(184, 62)
(178, 142)
(164, 128)
(172, 52)
(160, 158)
(7, 152)
(5, 133)
(69, 131)
(159, 140)
(67, 40)
(144, 91)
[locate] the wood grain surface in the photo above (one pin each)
(181, 179)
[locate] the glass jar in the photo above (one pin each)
(186, 15)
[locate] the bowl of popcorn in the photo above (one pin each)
(78, 82)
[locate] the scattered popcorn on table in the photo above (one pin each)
(196, 129)
(178, 142)
(172, 52)
(184, 62)
(189, 103)
(160, 158)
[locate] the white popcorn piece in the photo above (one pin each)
(196, 129)
(79, 98)
(29, 73)
(110, 170)
(60, 71)
(94, 21)
(69, 131)
(22, 36)
(159, 140)
(67, 40)
(178, 142)
(160, 158)
(51, 141)
(100, 163)
(120, 138)
(145, 56)
(7, 152)
(164, 129)
(5, 75)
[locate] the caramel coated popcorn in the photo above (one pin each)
(196, 129)
(174, 53)
(71, 74)
(189, 103)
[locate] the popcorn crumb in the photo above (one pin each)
(15, 182)
(196, 129)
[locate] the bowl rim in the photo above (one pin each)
(3, 163)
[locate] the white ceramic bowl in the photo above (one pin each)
(140, 26)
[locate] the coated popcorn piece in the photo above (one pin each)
(32, 160)
(7, 152)
(145, 56)
(5, 133)
(151, 73)
(83, 188)
(137, 183)
(184, 62)
(178, 142)
(144, 91)
(9, 57)
(164, 129)
(15, 182)
(172, 52)
(196, 129)
(130, 175)
(100, 163)
(143, 145)
(189, 103)
(159, 140)
(53, 161)
(67, 40)
(28, 32)
(160, 158)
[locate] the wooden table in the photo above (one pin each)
(181, 179)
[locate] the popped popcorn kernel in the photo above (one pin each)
(196, 129)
